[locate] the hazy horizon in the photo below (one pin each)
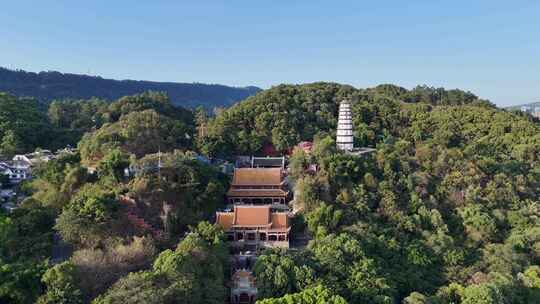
(486, 47)
(239, 86)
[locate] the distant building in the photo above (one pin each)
(533, 111)
(536, 112)
(15, 171)
(23, 163)
(526, 109)
(7, 193)
(268, 162)
(20, 167)
(9, 207)
(260, 162)
(254, 227)
(35, 158)
(345, 138)
(258, 186)
(243, 287)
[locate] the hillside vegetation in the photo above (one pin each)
(288, 114)
(144, 121)
(446, 210)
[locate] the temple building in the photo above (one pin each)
(252, 227)
(259, 218)
(243, 287)
(345, 138)
(258, 186)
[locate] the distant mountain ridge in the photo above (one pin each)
(50, 85)
(518, 107)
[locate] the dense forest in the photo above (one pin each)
(47, 86)
(28, 124)
(446, 210)
(288, 114)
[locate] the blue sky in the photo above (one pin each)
(491, 48)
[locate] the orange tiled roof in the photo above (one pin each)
(257, 176)
(242, 274)
(257, 193)
(225, 220)
(252, 215)
(243, 278)
(280, 221)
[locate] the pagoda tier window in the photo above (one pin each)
(251, 236)
(262, 236)
(240, 236)
(272, 238)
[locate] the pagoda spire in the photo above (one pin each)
(345, 138)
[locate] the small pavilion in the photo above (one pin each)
(243, 289)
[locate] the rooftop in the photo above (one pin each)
(257, 176)
(268, 162)
(253, 216)
(243, 279)
(257, 193)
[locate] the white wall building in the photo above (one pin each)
(525, 109)
(536, 112)
(15, 171)
(35, 157)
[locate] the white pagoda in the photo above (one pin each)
(345, 138)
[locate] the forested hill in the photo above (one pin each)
(47, 86)
(287, 114)
(446, 210)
